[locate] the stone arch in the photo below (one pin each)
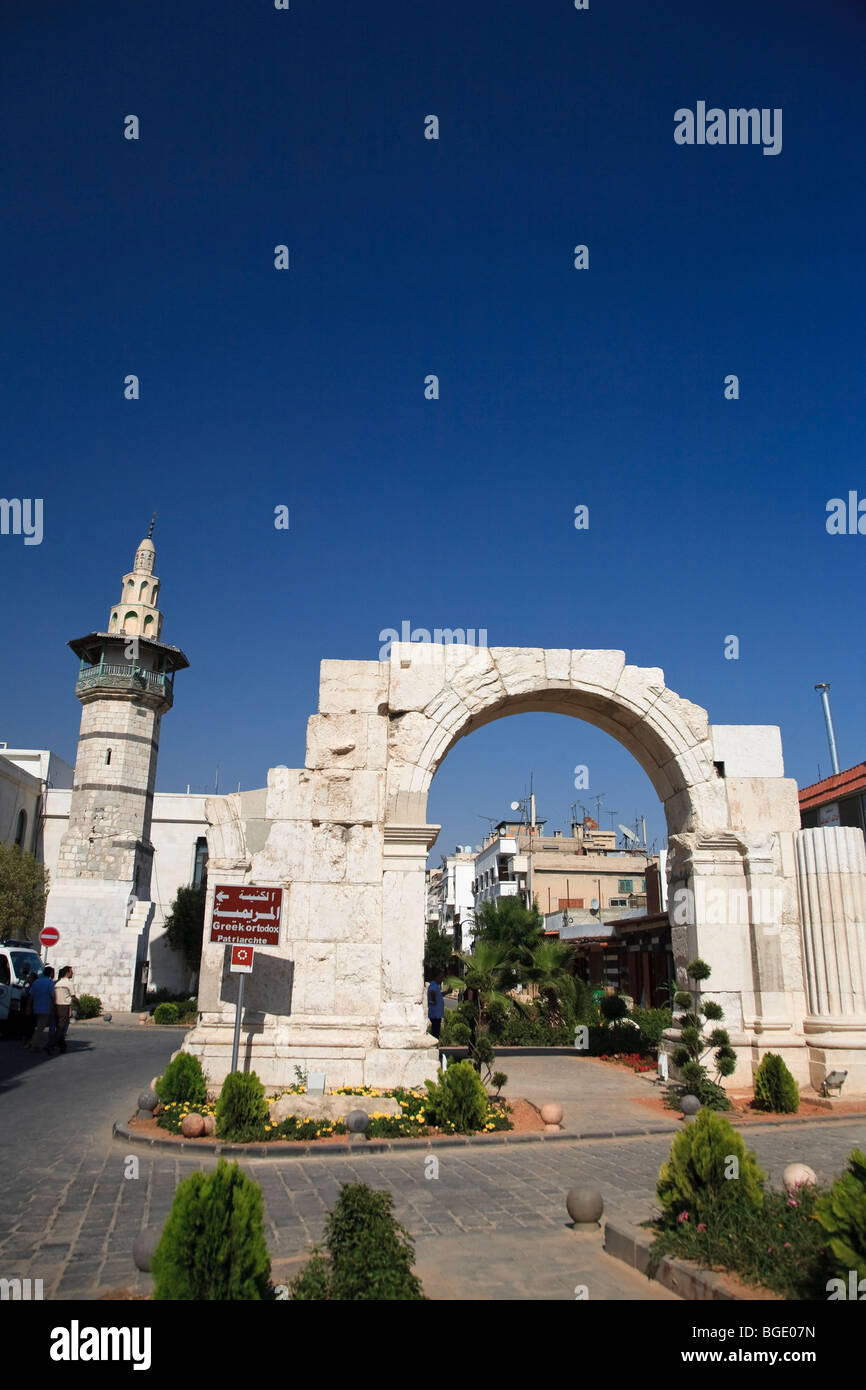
(440, 694)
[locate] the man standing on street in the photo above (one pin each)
(435, 1003)
(42, 1003)
(64, 998)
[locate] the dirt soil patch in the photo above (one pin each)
(525, 1118)
(745, 1113)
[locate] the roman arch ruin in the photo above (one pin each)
(347, 838)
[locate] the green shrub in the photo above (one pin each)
(612, 1007)
(89, 1006)
(182, 1080)
(775, 1087)
(213, 1245)
(698, 1176)
(369, 1253)
(166, 1013)
(842, 1214)
(458, 1101)
(777, 1245)
(241, 1109)
(652, 1023)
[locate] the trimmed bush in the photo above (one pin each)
(213, 1245)
(458, 1101)
(89, 1006)
(699, 1176)
(652, 1023)
(842, 1213)
(166, 1013)
(612, 1007)
(775, 1087)
(241, 1109)
(182, 1080)
(369, 1256)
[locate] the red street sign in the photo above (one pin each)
(242, 960)
(246, 915)
(49, 936)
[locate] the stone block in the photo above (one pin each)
(521, 669)
(353, 687)
(347, 741)
(761, 803)
(358, 977)
(417, 675)
(290, 793)
(345, 913)
(748, 750)
(331, 1107)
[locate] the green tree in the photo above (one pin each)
(184, 928)
(489, 973)
(508, 923)
(23, 893)
(548, 965)
(213, 1245)
(438, 951)
(369, 1254)
(695, 1044)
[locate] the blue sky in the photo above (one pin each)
(557, 387)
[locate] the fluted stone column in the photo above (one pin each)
(831, 875)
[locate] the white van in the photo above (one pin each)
(18, 960)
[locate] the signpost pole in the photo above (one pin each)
(237, 1037)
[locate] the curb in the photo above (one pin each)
(631, 1244)
(339, 1150)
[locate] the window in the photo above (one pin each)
(626, 885)
(4, 971)
(21, 829)
(108, 755)
(199, 873)
(619, 902)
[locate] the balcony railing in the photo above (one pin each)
(124, 678)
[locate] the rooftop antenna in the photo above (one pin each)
(598, 800)
(611, 814)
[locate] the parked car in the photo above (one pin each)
(20, 963)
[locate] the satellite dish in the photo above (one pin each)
(515, 805)
(629, 834)
(594, 904)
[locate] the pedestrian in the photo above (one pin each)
(64, 998)
(42, 1003)
(435, 1003)
(29, 1016)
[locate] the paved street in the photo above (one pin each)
(492, 1225)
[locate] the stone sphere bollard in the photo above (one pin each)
(798, 1175)
(147, 1103)
(551, 1114)
(585, 1206)
(192, 1126)
(209, 1124)
(107, 1018)
(690, 1105)
(357, 1123)
(144, 1245)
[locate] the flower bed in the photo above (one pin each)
(411, 1123)
(633, 1060)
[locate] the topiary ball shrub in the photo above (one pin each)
(612, 1007)
(775, 1087)
(842, 1213)
(241, 1109)
(166, 1013)
(213, 1244)
(458, 1102)
(369, 1255)
(89, 1006)
(709, 1165)
(182, 1080)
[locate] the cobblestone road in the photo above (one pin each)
(68, 1215)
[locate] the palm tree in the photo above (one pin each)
(490, 972)
(547, 966)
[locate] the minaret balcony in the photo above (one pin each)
(126, 679)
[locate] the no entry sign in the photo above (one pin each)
(49, 936)
(242, 960)
(245, 915)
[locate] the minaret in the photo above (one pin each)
(100, 899)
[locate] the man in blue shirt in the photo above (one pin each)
(42, 1005)
(435, 1003)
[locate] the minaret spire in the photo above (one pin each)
(150, 528)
